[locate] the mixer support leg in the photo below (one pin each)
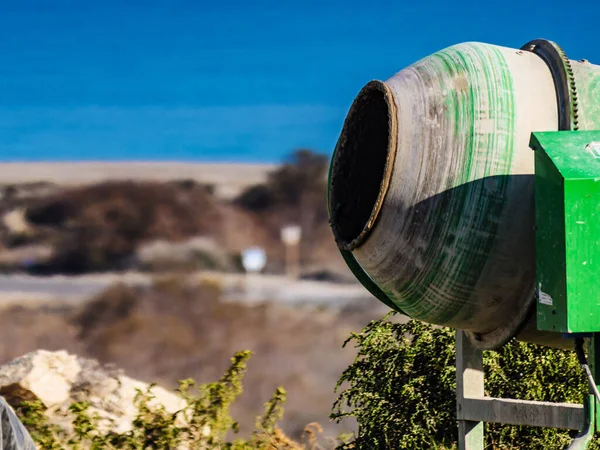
(593, 352)
(474, 408)
(469, 384)
(585, 436)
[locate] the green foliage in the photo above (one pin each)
(401, 388)
(532, 372)
(204, 422)
(46, 435)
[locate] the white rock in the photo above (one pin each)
(59, 379)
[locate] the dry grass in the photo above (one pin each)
(176, 330)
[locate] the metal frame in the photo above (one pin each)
(473, 407)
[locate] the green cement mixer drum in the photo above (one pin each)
(431, 185)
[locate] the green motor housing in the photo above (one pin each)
(567, 218)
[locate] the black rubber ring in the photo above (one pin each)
(557, 62)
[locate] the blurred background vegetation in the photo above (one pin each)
(113, 225)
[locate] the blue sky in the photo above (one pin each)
(229, 80)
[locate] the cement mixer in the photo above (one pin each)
(432, 183)
(456, 198)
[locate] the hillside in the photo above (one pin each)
(168, 230)
(110, 225)
(175, 329)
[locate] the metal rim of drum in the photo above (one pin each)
(345, 252)
(565, 87)
(389, 162)
(388, 167)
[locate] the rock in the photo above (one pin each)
(42, 375)
(16, 223)
(59, 379)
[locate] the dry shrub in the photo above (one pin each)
(296, 193)
(204, 422)
(177, 330)
(98, 227)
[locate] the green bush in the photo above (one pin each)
(401, 389)
(204, 423)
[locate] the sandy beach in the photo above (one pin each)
(228, 179)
